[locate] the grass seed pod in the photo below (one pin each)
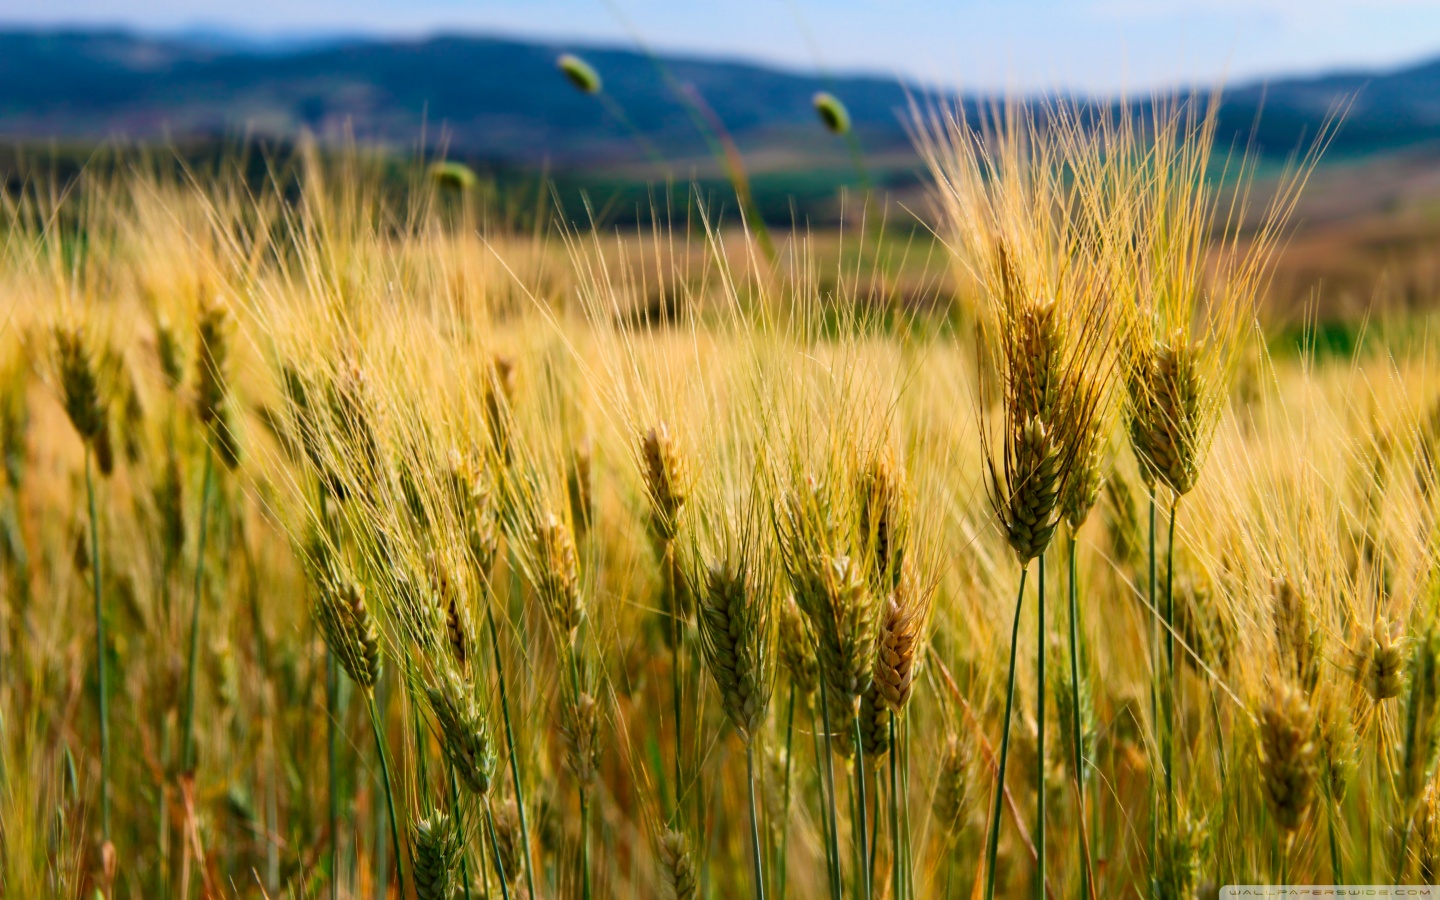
(833, 114)
(735, 624)
(557, 576)
(665, 481)
(898, 646)
(954, 786)
(579, 73)
(796, 650)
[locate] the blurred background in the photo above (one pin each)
(682, 87)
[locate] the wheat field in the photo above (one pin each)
(361, 545)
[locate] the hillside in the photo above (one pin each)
(502, 100)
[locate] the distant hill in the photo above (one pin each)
(503, 99)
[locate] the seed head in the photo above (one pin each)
(499, 395)
(557, 576)
(677, 868)
(734, 625)
(579, 73)
(1029, 511)
(169, 494)
(212, 361)
(580, 735)
(1087, 476)
(170, 352)
(1422, 720)
(1378, 663)
(665, 481)
(1296, 635)
(452, 176)
(1339, 749)
(881, 495)
(80, 384)
(436, 847)
(797, 654)
(582, 504)
(349, 630)
(898, 646)
(1178, 867)
(1166, 407)
(1287, 755)
(954, 786)
(1121, 521)
(833, 114)
(464, 736)
(874, 725)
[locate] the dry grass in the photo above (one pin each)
(619, 510)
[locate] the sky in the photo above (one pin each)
(1102, 46)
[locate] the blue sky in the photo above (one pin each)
(1100, 45)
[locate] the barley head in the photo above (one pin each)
(874, 725)
(1287, 755)
(796, 649)
(580, 736)
(1167, 405)
(1422, 721)
(1028, 498)
(1178, 867)
(557, 576)
(212, 360)
(1296, 635)
(170, 352)
(735, 635)
(677, 867)
(1378, 663)
(465, 737)
(954, 786)
(897, 649)
(80, 384)
(349, 630)
(665, 481)
(436, 849)
(882, 502)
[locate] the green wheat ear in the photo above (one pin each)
(833, 114)
(452, 176)
(579, 73)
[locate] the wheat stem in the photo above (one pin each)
(495, 851)
(828, 766)
(101, 693)
(784, 861)
(1154, 683)
(863, 813)
(754, 822)
(389, 790)
(1040, 655)
(992, 843)
(187, 755)
(897, 852)
(332, 739)
(464, 856)
(510, 746)
(1170, 668)
(1076, 730)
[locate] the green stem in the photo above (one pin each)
(495, 851)
(332, 703)
(389, 791)
(1040, 654)
(1154, 683)
(836, 890)
(1169, 745)
(585, 845)
(898, 863)
(187, 755)
(1337, 872)
(676, 630)
(784, 861)
(862, 814)
(514, 756)
(102, 700)
(464, 856)
(992, 843)
(754, 822)
(1075, 726)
